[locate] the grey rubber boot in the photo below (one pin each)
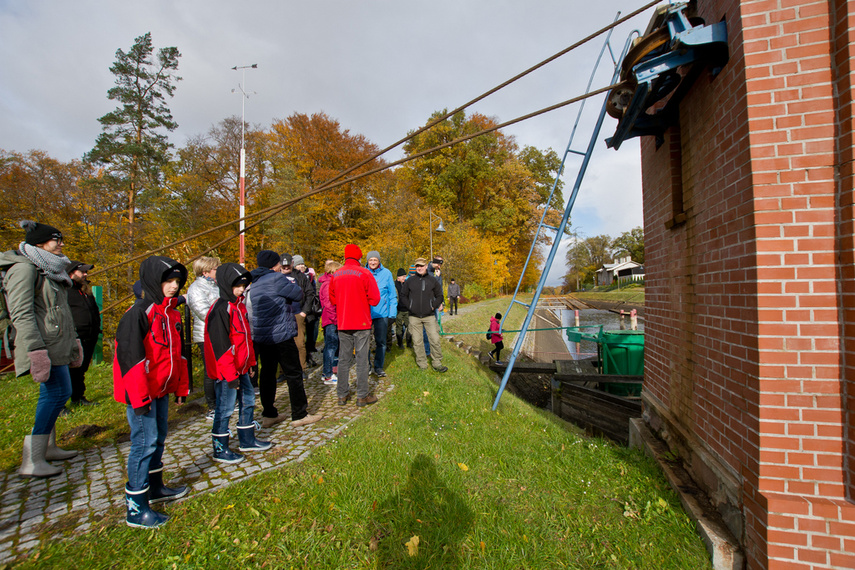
(33, 462)
(54, 453)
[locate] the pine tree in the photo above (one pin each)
(132, 148)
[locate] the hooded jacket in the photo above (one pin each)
(422, 295)
(353, 291)
(275, 301)
(148, 363)
(201, 294)
(328, 314)
(228, 340)
(387, 308)
(495, 327)
(39, 313)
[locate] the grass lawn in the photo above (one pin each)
(428, 478)
(632, 294)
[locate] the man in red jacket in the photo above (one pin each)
(353, 291)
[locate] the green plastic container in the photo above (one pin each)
(623, 354)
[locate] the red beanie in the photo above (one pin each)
(352, 251)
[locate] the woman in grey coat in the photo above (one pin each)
(46, 344)
(201, 294)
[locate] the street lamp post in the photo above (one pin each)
(244, 97)
(439, 229)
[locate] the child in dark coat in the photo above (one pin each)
(229, 360)
(147, 367)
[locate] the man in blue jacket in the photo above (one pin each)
(275, 300)
(386, 309)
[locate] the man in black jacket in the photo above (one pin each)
(87, 322)
(422, 296)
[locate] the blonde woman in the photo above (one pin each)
(201, 294)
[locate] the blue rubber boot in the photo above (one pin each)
(222, 453)
(160, 493)
(248, 442)
(140, 514)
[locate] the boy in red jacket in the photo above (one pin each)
(229, 360)
(147, 367)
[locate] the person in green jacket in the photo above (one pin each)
(46, 344)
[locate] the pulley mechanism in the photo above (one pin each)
(659, 69)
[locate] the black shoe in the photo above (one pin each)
(442, 369)
(380, 373)
(83, 402)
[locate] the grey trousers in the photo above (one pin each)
(348, 342)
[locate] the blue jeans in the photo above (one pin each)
(148, 434)
(226, 404)
(330, 349)
(381, 329)
(53, 395)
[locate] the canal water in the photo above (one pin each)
(591, 320)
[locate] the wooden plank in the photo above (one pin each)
(597, 411)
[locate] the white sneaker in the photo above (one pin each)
(331, 381)
(210, 415)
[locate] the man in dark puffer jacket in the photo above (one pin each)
(275, 300)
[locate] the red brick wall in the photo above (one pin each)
(747, 355)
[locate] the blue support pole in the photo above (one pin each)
(567, 152)
(556, 244)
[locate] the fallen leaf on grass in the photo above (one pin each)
(413, 546)
(426, 393)
(483, 546)
(463, 466)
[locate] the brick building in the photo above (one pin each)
(750, 290)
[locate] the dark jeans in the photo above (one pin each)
(286, 355)
(78, 384)
(380, 327)
(53, 395)
(330, 349)
(452, 301)
(497, 349)
(312, 334)
(209, 384)
(148, 434)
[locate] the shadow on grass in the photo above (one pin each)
(425, 508)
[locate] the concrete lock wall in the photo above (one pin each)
(750, 286)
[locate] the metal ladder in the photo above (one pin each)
(559, 231)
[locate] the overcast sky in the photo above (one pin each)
(379, 67)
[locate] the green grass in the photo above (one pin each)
(632, 294)
(84, 427)
(516, 488)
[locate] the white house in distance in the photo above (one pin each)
(623, 269)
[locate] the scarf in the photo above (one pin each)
(51, 264)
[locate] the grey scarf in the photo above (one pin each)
(52, 264)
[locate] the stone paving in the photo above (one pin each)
(92, 484)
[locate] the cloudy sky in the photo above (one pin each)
(380, 67)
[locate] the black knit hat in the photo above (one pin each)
(40, 233)
(401, 272)
(267, 258)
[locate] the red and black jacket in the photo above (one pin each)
(228, 340)
(148, 363)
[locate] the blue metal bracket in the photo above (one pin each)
(663, 64)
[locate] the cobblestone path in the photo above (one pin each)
(92, 484)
